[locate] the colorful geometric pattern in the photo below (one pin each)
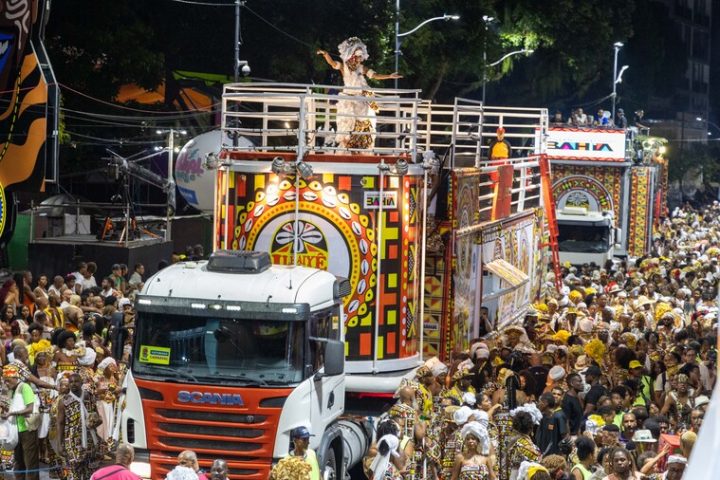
(497, 241)
(602, 183)
(337, 229)
(465, 213)
(435, 276)
(640, 227)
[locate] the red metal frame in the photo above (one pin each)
(549, 200)
(313, 157)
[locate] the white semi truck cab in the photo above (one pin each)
(585, 236)
(230, 355)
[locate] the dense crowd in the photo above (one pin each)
(66, 348)
(66, 344)
(607, 378)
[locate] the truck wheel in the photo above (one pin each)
(329, 470)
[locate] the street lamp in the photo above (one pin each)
(616, 79)
(445, 17)
(487, 20)
(526, 51)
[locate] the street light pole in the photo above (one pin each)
(445, 17)
(237, 40)
(486, 21)
(526, 51)
(618, 46)
(397, 40)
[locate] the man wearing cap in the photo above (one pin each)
(462, 383)
(500, 148)
(26, 452)
(675, 467)
(300, 437)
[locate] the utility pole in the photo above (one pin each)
(487, 20)
(168, 213)
(237, 40)
(170, 182)
(618, 46)
(397, 39)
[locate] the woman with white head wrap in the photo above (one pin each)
(523, 449)
(475, 461)
(106, 390)
(385, 460)
(355, 116)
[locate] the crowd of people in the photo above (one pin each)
(608, 378)
(603, 119)
(66, 345)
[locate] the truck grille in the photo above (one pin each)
(213, 432)
(243, 435)
(209, 430)
(210, 416)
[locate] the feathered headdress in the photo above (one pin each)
(351, 47)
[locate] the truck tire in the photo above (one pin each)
(329, 467)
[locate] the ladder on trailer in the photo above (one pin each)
(549, 200)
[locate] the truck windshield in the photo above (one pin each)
(197, 349)
(583, 238)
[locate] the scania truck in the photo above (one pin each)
(233, 353)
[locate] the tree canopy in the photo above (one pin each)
(98, 45)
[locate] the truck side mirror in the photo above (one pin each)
(334, 358)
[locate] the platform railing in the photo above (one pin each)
(58, 221)
(466, 129)
(526, 190)
(304, 119)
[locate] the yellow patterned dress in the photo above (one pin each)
(522, 450)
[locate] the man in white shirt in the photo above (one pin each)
(58, 286)
(136, 279)
(108, 289)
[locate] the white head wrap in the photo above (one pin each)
(481, 416)
(88, 357)
(465, 365)
(381, 462)
(349, 47)
(482, 354)
(477, 430)
(436, 366)
(469, 399)
(556, 373)
(106, 362)
(477, 346)
(462, 414)
(676, 459)
(531, 409)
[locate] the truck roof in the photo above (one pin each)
(277, 284)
